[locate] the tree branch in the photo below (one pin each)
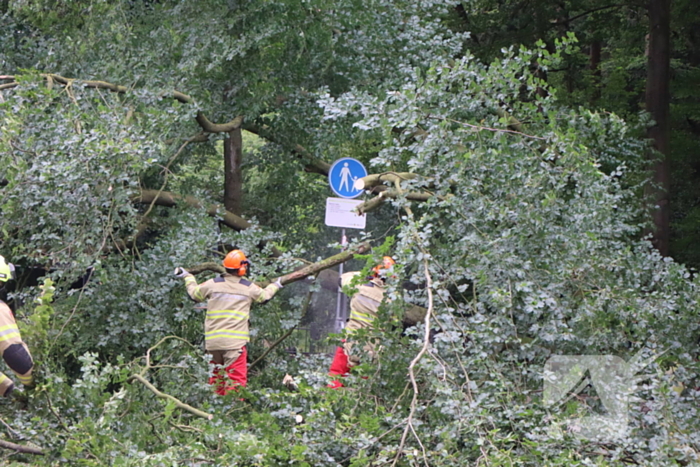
(202, 120)
(314, 165)
(87, 83)
(176, 401)
(385, 194)
(210, 127)
(169, 199)
(299, 274)
(377, 179)
(20, 448)
(426, 340)
(586, 13)
(325, 264)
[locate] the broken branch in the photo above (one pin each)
(299, 274)
(20, 448)
(325, 264)
(176, 401)
(377, 179)
(202, 120)
(168, 199)
(375, 202)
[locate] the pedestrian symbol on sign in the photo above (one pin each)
(342, 176)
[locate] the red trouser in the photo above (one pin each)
(229, 378)
(339, 367)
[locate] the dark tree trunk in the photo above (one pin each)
(233, 176)
(594, 65)
(657, 104)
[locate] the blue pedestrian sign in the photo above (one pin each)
(342, 177)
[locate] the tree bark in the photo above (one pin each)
(373, 180)
(206, 124)
(233, 175)
(657, 104)
(377, 201)
(594, 66)
(20, 448)
(413, 315)
(178, 403)
(299, 274)
(167, 199)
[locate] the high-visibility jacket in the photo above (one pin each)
(14, 351)
(364, 303)
(228, 308)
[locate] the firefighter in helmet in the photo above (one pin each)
(14, 351)
(229, 297)
(363, 310)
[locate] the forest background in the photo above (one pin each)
(548, 204)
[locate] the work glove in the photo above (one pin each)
(278, 282)
(180, 272)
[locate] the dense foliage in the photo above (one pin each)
(530, 244)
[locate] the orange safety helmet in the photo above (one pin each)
(236, 260)
(387, 264)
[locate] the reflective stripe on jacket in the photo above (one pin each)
(229, 299)
(364, 303)
(17, 360)
(9, 334)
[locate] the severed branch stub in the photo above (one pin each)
(373, 180)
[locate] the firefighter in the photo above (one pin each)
(14, 351)
(363, 310)
(230, 297)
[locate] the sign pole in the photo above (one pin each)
(339, 318)
(340, 212)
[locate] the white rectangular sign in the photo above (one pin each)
(339, 213)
